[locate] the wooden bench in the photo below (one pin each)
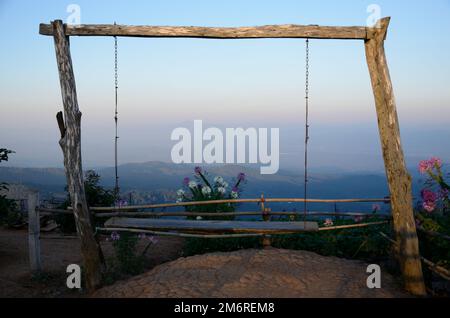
(207, 226)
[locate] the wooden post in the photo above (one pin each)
(34, 244)
(70, 143)
(397, 175)
(265, 240)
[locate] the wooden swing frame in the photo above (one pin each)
(399, 180)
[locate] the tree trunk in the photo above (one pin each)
(398, 178)
(70, 143)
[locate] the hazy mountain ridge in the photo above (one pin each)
(159, 181)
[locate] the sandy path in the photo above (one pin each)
(255, 273)
(56, 254)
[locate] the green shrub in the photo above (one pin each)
(96, 195)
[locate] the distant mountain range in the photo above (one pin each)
(158, 181)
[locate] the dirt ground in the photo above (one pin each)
(247, 273)
(255, 274)
(56, 254)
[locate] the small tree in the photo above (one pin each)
(8, 208)
(96, 195)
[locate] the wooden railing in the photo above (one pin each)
(257, 200)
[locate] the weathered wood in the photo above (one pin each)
(209, 226)
(441, 271)
(434, 234)
(206, 236)
(255, 213)
(70, 144)
(34, 245)
(280, 200)
(351, 226)
(398, 178)
(256, 32)
(61, 126)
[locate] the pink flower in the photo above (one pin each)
(429, 206)
(358, 218)
(376, 207)
(429, 200)
(435, 162)
(328, 222)
(428, 165)
(424, 166)
(428, 195)
(198, 170)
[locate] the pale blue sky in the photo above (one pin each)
(165, 83)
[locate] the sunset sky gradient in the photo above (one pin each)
(167, 83)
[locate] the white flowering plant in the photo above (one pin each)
(202, 189)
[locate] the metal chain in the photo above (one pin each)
(306, 127)
(116, 86)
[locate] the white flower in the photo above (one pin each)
(328, 222)
(179, 200)
(180, 193)
(206, 190)
(225, 184)
(199, 218)
(218, 180)
(221, 190)
(192, 184)
(234, 195)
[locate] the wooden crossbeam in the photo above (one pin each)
(255, 32)
(189, 226)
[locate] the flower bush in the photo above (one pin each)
(201, 188)
(435, 195)
(432, 214)
(128, 259)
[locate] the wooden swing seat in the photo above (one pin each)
(211, 226)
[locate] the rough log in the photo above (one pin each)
(70, 143)
(398, 178)
(256, 32)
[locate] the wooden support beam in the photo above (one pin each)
(34, 244)
(398, 178)
(256, 32)
(70, 143)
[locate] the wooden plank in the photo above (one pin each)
(34, 244)
(398, 178)
(212, 226)
(255, 32)
(70, 143)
